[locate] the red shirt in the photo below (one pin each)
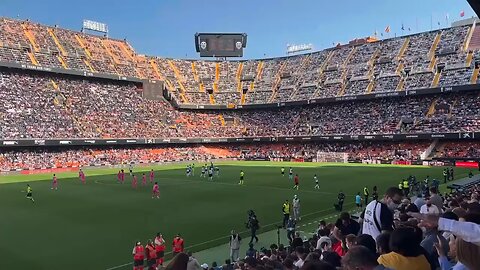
(139, 253)
(178, 244)
(296, 179)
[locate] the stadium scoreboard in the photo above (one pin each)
(220, 44)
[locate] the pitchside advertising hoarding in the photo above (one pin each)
(166, 141)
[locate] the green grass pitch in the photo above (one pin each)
(94, 226)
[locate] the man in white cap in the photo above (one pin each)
(296, 208)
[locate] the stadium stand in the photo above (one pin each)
(443, 57)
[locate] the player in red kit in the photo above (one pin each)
(122, 176)
(155, 191)
(296, 182)
(54, 182)
(160, 249)
(152, 175)
(177, 245)
(119, 177)
(138, 256)
(81, 174)
(134, 181)
(151, 255)
(144, 180)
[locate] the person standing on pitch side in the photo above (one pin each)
(296, 208)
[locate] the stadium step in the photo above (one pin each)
(468, 38)
(243, 98)
(325, 63)
(370, 86)
(432, 64)
(194, 72)
(178, 76)
(217, 71)
(154, 66)
(469, 60)
(129, 53)
(474, 43)
(60, 59)
(89, 65)
(278, 80)
(341, 92)
(474, 78)
(431, 109)
(431, 53)
(109, 52)
(32, 58)
(349, 57)
(82, 44)
(54, 84)
(212, 99)
(436, 79)
(222, 119)
(428, 151)
(400, 85)
(239, 76)
(30, 37)
(400, 68)
(452, 106)
(404, 48)
(57, 42)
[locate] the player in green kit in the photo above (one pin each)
(282, 170)
(29, 193)
(242, 174)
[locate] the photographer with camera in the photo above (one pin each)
(253, 225)
(291, 229)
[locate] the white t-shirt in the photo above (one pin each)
(433, 209)
(299, 263)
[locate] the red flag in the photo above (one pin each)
(462, 13)
(387, 30)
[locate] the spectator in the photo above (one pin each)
(360, 257)
(179, 262)
(234, 243)
(317, 266)
(367, 241)
(406, 252)
(192, 262)
(435, 199)
(383, 243)
(328, 255)
(301, 256)
(251, 252)
(378, 215)
(297, 241)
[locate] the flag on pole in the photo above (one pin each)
(462, 13)
(376, 33)
(409, 29)
(403, 27)
(387, 29)
(447, 17)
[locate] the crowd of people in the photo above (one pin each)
(377, 66)
(42, 106)
(403, 234)
(353, 151)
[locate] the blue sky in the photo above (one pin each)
(167, 27)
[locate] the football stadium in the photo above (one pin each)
(360, 154)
